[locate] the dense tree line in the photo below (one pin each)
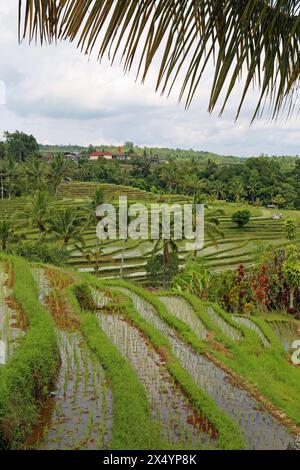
(261, 180)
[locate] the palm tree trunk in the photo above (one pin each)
(122, 260)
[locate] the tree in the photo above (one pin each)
(241, 218)
(10, 170)
(169, 246)
(7, 233)
(66, 225)
(290, 229)
(59, 169)
(255, 40)
(291, 272)
(157, 271)
(20, 145)
(35, 172)
(39, 211)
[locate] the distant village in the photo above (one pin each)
(119, 155)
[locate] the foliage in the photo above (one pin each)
(41, 252)
(241, 218)
(291, 272)
(66, 225)
(290, 228)
(84, 297)
(257, 41)
(20, 145)
(158, 272)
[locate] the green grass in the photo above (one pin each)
(27, 378)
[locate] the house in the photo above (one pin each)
(120, 157)
(96, 155)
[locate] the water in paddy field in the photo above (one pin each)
(252, 326)
(287, 332)
(13, 324)
(81, 406)
(227, 329)
(79, 413)
(181, 309)
(180, 423)
(261, 431)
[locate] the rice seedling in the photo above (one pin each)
(180, 308)
(227, 329)
(252, 326)
(80, 418)
(176, 417)
(259, 428)
(286, 331)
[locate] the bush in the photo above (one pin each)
(84, 297)
(241, 218)
(156, 271)
(41, 252)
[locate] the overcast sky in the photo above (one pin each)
(62, 97)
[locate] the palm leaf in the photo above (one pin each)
(256, 40)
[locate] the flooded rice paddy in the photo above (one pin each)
(179, 422)
(79, 413)
(260, 429)
(181, 309)
(287, 332)
(252, 326)
(227, 329)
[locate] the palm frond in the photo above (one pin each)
(256, 40)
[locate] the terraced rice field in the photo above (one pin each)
(260, 429)
(78, 413)
(127, 369)
(238, 245)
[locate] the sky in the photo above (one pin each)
(63, 97)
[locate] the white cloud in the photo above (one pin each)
(61, 96)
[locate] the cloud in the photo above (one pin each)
(64, 97)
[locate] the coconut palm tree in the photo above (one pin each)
(257, 41)
(34, 169)
(7, 233)
(67, 225)
(59, 169)
(168, 246)
(39, 211)
(11, 171)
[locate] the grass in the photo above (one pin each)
(27, 378)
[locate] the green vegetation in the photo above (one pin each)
(27, 378)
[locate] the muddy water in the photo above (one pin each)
(252, 326)
(79, 413)
(287, 331)
(13, 324)
(179, 423)
(181, 309)
(260, 429)
(227, 329)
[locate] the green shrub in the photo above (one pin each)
(84, 297)
(241, 218)
(42, 252)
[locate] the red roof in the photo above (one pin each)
(100, 154)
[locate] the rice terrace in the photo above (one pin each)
(126, 343)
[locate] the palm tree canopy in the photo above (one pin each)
(256, 39)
